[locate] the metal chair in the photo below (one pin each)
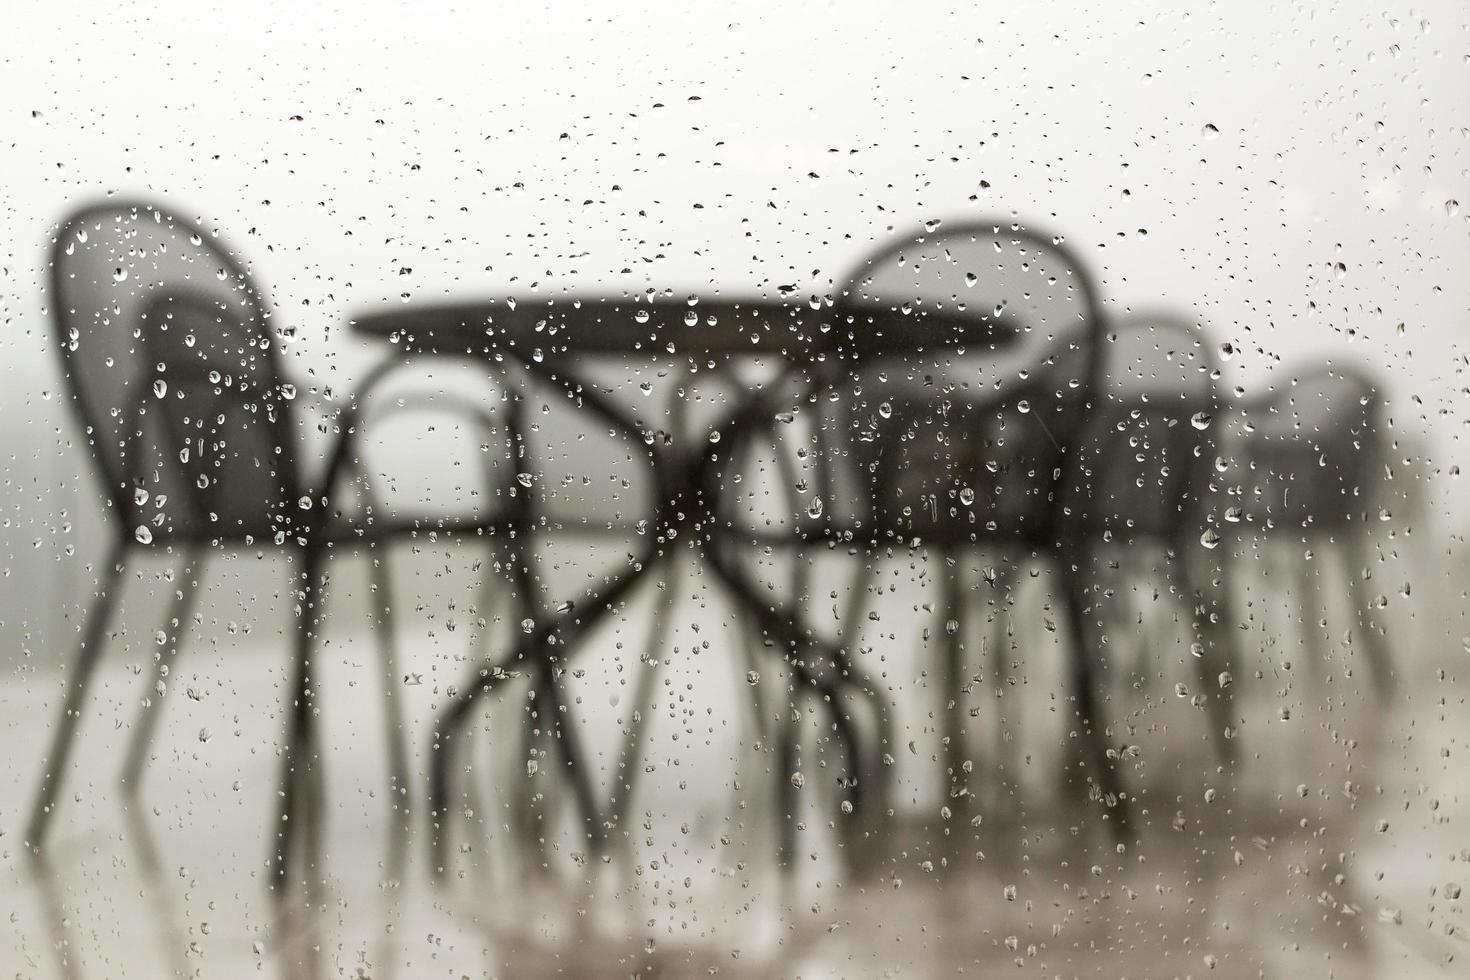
(173, 368)
(1307, 463)
(964, 444)
(1149, 450)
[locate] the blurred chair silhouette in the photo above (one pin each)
(1307, 464)
(1148, 450)
(176, 377)
(970, 442)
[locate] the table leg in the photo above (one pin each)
(564, 633)
(824, 679)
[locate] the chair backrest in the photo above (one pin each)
(975, 436)
(1149, 443)
(174, 372)
(1310, 454)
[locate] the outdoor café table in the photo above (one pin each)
(806, 344)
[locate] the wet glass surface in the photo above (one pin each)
(770, 491)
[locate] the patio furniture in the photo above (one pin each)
(601, 356)
(174, 370)
(1306, 466)
(1151, 448)
(969, 441)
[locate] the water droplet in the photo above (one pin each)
(142, 534)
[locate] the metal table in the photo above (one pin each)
(803, 344)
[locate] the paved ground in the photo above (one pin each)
(1337, 849)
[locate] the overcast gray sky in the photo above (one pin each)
(1219, 158)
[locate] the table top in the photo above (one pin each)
(696, 326)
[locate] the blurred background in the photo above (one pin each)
(1286, 176)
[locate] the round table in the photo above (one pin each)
(807, 344)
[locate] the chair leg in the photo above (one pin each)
(399, 799)
(951, 680)
(1001, 640)
(166, 909)
(750, 645)
(873, 774)
(1358, 557)
(85, 664)
(787, 735)
(1207, 588)
(1312, 614)
(628, 759)
(1138, 577)
(299, 799)
(531, 817)
(788, 754)
(144, 728)
(1086, 691)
